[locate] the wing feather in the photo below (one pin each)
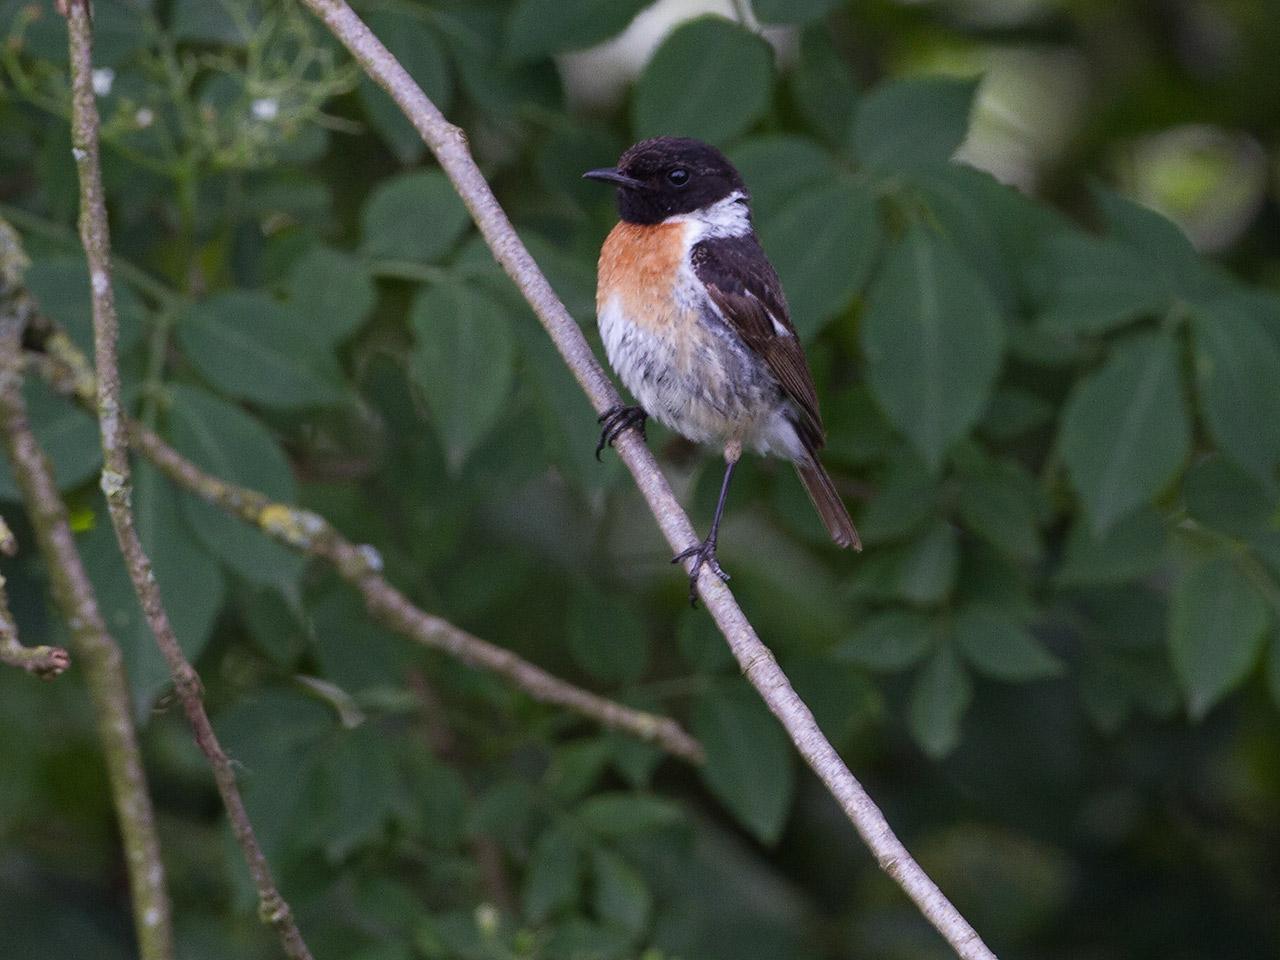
(744, 286)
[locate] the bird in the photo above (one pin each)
(695, 323)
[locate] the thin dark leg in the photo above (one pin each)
(615, 420)
(705, 552)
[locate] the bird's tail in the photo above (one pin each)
(828, 503)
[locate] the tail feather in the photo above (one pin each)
(827, 502)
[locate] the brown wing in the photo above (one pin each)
(743, 284)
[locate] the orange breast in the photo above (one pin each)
(639, 265)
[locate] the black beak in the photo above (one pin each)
(610, 175)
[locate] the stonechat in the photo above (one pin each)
(695, 322)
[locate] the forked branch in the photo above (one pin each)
(449, 144)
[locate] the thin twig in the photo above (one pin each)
(449, 144)
(45, 662)
(97, 654)
(116, 485)
(68, 371)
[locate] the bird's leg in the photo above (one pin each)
(616, 419)
(705, 552)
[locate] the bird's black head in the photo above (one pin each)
(665, 176)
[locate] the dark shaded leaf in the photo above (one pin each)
(823, 242)
(933, 341)
(939, 697)
(996, 644)
(230, 444)
(749, 759)
(710, 79)
(331, 293)
(419, 50)
(416, 216)
(1125, 431)
(889, 641)
(463, 362)
(538, 28)
(913, 123)
(1217, 627)
(1237, 368)
(254, 349)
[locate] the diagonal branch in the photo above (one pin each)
(97, 653)
(69, 372)
(449, 144)
(116, 485)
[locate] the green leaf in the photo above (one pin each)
(619, 893)
(331, 293)
(778, 167)
(607, 637)
(710, 79)
(254, 349)
(823, 242)
(939, 698)
(1237, 368)
(1157, 236)
(68, 436)
(701, 644)
(749, 760)
(926, 568)
(415, 216)
(913, 123)
(1216, 631)
(202, 22)
(621, 814)
(823, 86)
(61, 287)
(1225, 496)
(890, 641)
(792, 11)
(998, 500)
(997, 645)
(538, 28)
(905, 500)
(352, 650)
(1013, 413)
(1125, 431)
(463, 362)
(1133, 547)
(1273, 668)
(553, 879)
(354, 791)
(190, 584)
(421, 53)
(1094, 285)
(231, 445)
(933, 341)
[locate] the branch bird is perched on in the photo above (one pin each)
(695, 323)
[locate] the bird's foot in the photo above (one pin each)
(616, 419)
(704, 554)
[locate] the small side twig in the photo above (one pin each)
(44, 662)
(116, 483)
(97, 653)
(449, 145)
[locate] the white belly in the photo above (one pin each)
(698, 379)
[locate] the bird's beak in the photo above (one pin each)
(610, 175)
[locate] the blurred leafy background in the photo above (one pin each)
(1055, 411)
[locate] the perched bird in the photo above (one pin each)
(695, 323)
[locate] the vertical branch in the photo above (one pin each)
(97, 653)
(449, 144)
(116, 483)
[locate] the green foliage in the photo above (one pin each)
(685, 90)
(1059, 435)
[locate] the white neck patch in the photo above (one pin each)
(729, 217)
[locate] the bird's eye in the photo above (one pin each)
(678, 177)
